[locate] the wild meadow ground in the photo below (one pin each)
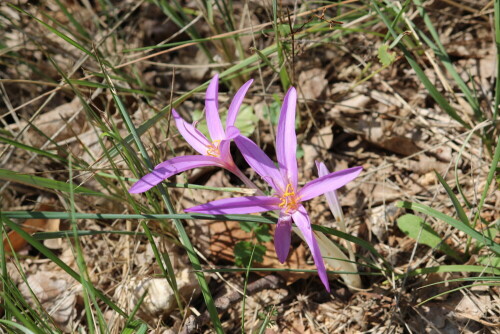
(408, 90)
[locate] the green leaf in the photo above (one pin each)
(273, 110)
(453, 222)
(243, 253)
(385, 56)
(416, 228)
(262, 233)
(245, 121)
(248, 226)
(491, 261)
(300, 152)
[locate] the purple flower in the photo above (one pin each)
(287, 198)
(214, 152)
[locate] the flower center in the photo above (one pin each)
(289, 200)
(213, 149)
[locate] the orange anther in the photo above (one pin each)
(289, 201)
(213, 149)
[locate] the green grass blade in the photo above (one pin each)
(22, 328)
(200, 216)
(80, 233)
(458, 207)
(81, 30)
(136, 326)
(55, 31)
(54, 258)
(209, 301)
(266, 321)
(440, 51)
(285, 80)
(455, 268)
(451, 221)
(88, 289)
(436, 95)
(165, 265)
(44, 183)
(489, 180)
(32, 149)
(465, 279)
(456, 289)
(333, 272)
(459, 158)
(197, 216)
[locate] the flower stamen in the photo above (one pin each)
(289, 200)
(213, 149)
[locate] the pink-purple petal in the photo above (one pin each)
(302, 221)
(234, 108)
(329, 182)
(225, 153)
(282, 237)
(194, 137)
(286, 138)
(232, 132)
(331, 196)
(212, 110)
(171, 167)
(260, 162)
(238, 205)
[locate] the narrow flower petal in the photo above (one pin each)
(234, 108)
(212, 110)
(238, 205)
(171, 167)
(260, 162)
(331, 196)
(194, 137)
(282, 237)
(332, 181)
(286, 139)
(225, 153)
(301, 219)
(232, 132)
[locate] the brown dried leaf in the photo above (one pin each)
(31, 226)
(312, 83)
(59, 120)
(56, 291)
(225, 235)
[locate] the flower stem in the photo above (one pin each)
(236, 171)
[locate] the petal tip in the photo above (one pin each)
(138, 187)
(175, 113)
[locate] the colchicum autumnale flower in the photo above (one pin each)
(287, 197)
(214, 152)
